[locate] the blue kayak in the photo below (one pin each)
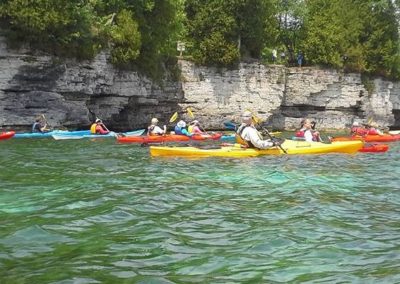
(230, 125)
(228, 138)
(50, 133)
(67, 136)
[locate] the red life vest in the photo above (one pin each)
(373, 131)
(356, 130)
(300, 133)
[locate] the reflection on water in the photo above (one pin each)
(97, 211)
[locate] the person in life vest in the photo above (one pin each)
(194, 127)
(98, 127)
(180, 129)
(369, 129)
(308, 132)
(154, 129)
(40, 124)
(249, 136)
(373, 129)
(357, 129)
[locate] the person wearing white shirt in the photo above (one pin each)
(154, 129)
(248, 135)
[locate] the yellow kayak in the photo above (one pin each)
(235, 150)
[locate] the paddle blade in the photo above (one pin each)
(173, 117)
(189, 111)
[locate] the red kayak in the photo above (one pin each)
(167, 138)
(6, 135)
(374, 148)
(369, 138)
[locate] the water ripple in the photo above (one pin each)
(101, 212)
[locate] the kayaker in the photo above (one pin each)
(369, 129)
(194, 127)
(308, 132)
(248, 135)
(180, 129)
(98, 127)
(357, 129)
(373, 129)
(40, 124)
(154, 129)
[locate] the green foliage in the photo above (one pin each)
(364, 32)
(215, 50)
(63, 27)
(126, 39)
(380, 38)
(331, 28)
(291, 15)
(354, 35)
(159, 28)
(368, 84)
(237, 28)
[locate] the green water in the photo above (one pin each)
(102, 212)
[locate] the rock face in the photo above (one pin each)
(283, 96)
(72, 94)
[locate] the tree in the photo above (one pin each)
(290, 15)
(331, 32)
(236, 27)
(380, 38)
(126, 39)
(58, 25)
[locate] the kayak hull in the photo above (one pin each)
(6, 135)
(67, 136)
(374, 148)
(50, 134)
(167, 138)
(291, 147)
(369, 138)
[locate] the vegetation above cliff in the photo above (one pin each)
(358, 35)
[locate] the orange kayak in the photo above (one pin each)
(6, 135)
(168, 138)
(369, 138)
(374, 148)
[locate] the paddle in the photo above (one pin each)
(103, 125)
(45, 129)
(173, 117)
(313, 123)
(189, 111)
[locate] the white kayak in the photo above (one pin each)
(51, 133)
(65, 136)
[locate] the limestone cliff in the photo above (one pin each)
(72, 94)
(283, 95)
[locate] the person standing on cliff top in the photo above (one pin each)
(274, 55)
(300, 58)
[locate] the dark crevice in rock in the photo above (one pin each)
(396, 113)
